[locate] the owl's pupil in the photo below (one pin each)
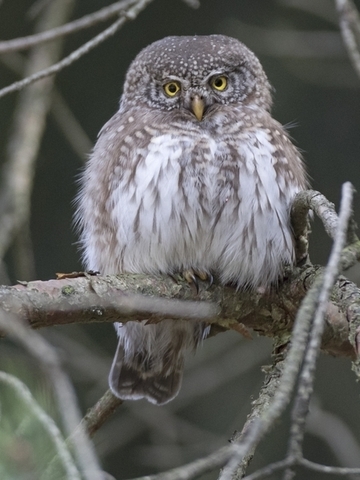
(172, 88)
(218, 83)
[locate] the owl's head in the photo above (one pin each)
(196, 75)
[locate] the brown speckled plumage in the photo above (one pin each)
(165, 191)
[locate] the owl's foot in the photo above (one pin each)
(192, 276)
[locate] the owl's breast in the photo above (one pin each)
(200, 171)
(194, 200)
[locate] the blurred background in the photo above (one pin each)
(317, 93)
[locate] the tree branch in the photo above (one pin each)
(128, 297)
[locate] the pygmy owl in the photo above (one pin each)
(191, 174)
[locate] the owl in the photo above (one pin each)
(192, 174)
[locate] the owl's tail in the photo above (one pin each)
(149, 359)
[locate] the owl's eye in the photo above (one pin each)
(219, 83)
(171, 88)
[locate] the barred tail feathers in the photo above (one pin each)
(149, 359)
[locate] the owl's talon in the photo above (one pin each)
(189, 276)
(195, 282)
(204, 276)
(192, 276)
(210, 279)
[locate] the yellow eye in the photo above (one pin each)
(219, 83)
(171, 88)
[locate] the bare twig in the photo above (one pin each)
(307, 375)
(196, 468)
(316, 201)
(97, 415)
(63, 390)
(47, 422)
(327, 469)
(349, 20)
(85, 22)
(131, 14)
(269, 469)
(325, 210)
(300, 225)
(287, 462)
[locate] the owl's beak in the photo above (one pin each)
(197, 106)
